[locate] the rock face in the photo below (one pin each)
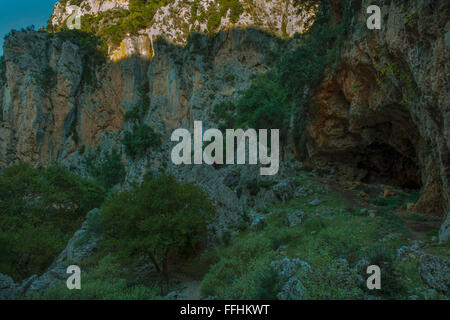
(435, 272)
(176, 20)
(384, 115)
(8, 290)
(290, 286)
(367, 123)
(444, 231)
(82, 108)
(295, 218)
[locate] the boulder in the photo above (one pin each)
(292, 290)
(290, 286)
(295, 218)
(8, 289)
(47, 280)
(315, 202)
(435, 272)
(284, 189)
(258, 224)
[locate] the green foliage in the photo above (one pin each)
(391, 287)
(263, 105)
(160, 218)
(140, 140)
(219, 10)
(333, 281)
(332, 244)
(108, 169)
(112, 26)
(283, 92)
(243, 271)
(39, 211)
(107, 281)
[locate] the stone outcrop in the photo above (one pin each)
(444, 231)
(8, 289)
(435, 272)
(290, 286)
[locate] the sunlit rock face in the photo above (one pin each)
(178, 19)
(61, 10)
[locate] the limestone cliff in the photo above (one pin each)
(382, 116)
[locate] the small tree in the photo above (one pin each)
(159, 218)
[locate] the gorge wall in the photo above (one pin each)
(382, 116)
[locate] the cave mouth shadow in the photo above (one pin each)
(384, 164)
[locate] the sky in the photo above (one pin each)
(17, 14)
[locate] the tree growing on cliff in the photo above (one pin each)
(160, 218)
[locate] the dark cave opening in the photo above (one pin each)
(384, 164)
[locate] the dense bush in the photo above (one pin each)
(264, 105)
(39, 211)
(392, 287)
(108, 169)
(243, 271)
(140, 140)
(335, 280)
(160, 218)
(219, 10)
(106, 281)
(112, 26)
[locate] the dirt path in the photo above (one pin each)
(190, 290)
(418, 229)
(187, 288)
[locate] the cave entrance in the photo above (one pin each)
(384, 164)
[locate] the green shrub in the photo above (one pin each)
(108, 169)
(107, 281)
(332, 281)
(243, 271)
(391, 285)
(112, 26)
(140, 140)
(39, 211)
(160, 218)
(219, 10)
(264, 105)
